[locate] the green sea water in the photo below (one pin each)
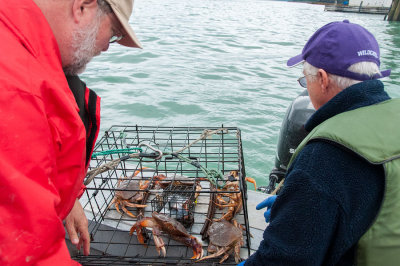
(212, 62)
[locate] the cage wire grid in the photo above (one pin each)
(111, 242)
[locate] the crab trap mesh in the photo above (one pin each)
(155, 191)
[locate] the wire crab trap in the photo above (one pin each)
(178, 201)
(170, 183)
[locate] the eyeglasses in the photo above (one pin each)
(303, 81)
(116, 38)
(116, 34)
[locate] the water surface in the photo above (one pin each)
(212, 62)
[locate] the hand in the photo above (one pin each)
(76, 224)
(242, 263)
(268, 202)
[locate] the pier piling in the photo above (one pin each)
(394, 12)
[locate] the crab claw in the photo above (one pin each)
(215, 255)
(159, 245)
(139, 171)
(134, 228)
(139, 232)
(251, 180)
(197, 248)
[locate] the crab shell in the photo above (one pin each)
(170, 225)
(224, 234)
(128, 188)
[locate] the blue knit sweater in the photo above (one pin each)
(330, 197)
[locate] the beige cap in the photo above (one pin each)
(123, 10)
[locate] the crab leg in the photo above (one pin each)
(192, 242)
(237, 252)
(116, 207)
(220, 200)
(227, 216)
(219, 253)
(140, 235)
(148, 222)
(229, 195)
(226, 205)
(251, 180)
(138, 228)
(197, 193)
(197, 248)
(224, 258)
(159, 242)
(241, 227)
(126, 211)
(134, 205)
(114, 201)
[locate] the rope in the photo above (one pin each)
(106, 167)
(206, 133)
(211, 175)
(278, 187)
(116, 151)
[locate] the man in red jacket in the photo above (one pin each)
(47, 129)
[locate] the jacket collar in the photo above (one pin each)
(359, 95)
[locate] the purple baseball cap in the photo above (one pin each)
(338, 45)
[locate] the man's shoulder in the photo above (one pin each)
(24, 28)
(327, 160)
(335, 170)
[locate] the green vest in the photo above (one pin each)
(373, 132)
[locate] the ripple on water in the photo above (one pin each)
(207, 63)
(220, 77)
(174, 107)
(140, 75)
(117, 79)
(143, 110)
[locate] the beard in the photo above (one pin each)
(84, 47)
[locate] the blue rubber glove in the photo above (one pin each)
(268, 202)
(242, 263)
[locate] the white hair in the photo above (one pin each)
(104, 6)
(366, 68)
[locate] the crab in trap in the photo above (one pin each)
(230, 196)
(224, 238)
(130, 192)
(163, 223)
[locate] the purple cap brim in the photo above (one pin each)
(386, 73)
(294, 61)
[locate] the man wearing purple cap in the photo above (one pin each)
(341, 197)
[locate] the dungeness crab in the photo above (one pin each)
(130, 192)
(231, 191)
(163, 223)
(224, 237)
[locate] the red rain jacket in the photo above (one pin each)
(42, 140)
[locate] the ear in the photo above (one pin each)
(82, 8)
(323, 80)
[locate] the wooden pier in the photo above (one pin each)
(394, 13)
(358, 9)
